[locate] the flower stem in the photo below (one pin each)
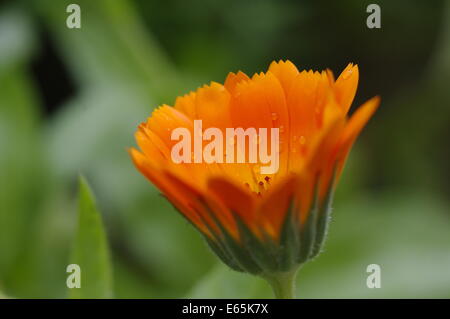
(283, 284)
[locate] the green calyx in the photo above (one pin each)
(277, 261)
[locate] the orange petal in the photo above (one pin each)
(236, 198)
(206, 206)
(354, 126)
(285, 71)
(176, 196)
(249, 108)
(309, 96)
(346, 85)
(153, 148)
(186, 104)
(275, 204)
(320, 161)
(232, 80)
(165, 119)
(212, 106)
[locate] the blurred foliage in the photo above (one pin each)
(70, 101)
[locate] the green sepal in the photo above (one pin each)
(222, 254)
(308, 233)
(216, 245)
(241, 255)
(314, 230)
(289, 240)
(296, 245)
(261, 251)
(322, 225)
(235, 250)
(323, 220)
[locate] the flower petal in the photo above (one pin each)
(212, 106)
(236, 198)
(275, 204)
(165, 119)
(354, 126)
(175, 195)
(346, 85)
(285, 71)
(186, 104)
(233, 80)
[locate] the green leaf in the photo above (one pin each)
(91, 249)
(23, 171)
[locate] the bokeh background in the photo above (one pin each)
(70, 100)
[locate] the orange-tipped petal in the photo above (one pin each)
(176, 196)
(285, 71)
(346, 85)
(236, 198)
(212, 106)
(186, 104)
(233, 80)
(164, 120)
(275, 205)
(206, 206)
(354, 126)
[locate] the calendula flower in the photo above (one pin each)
(263, 223)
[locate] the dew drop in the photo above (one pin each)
(274, 116)
(302, 140)
(347, 74)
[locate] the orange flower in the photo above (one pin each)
(259, 223)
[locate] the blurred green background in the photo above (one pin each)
(70, 101)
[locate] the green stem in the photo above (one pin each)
(283, 284)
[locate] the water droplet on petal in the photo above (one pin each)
(274, 116)
(347, 74)
(302, 140)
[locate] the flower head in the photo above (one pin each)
(259, 222)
